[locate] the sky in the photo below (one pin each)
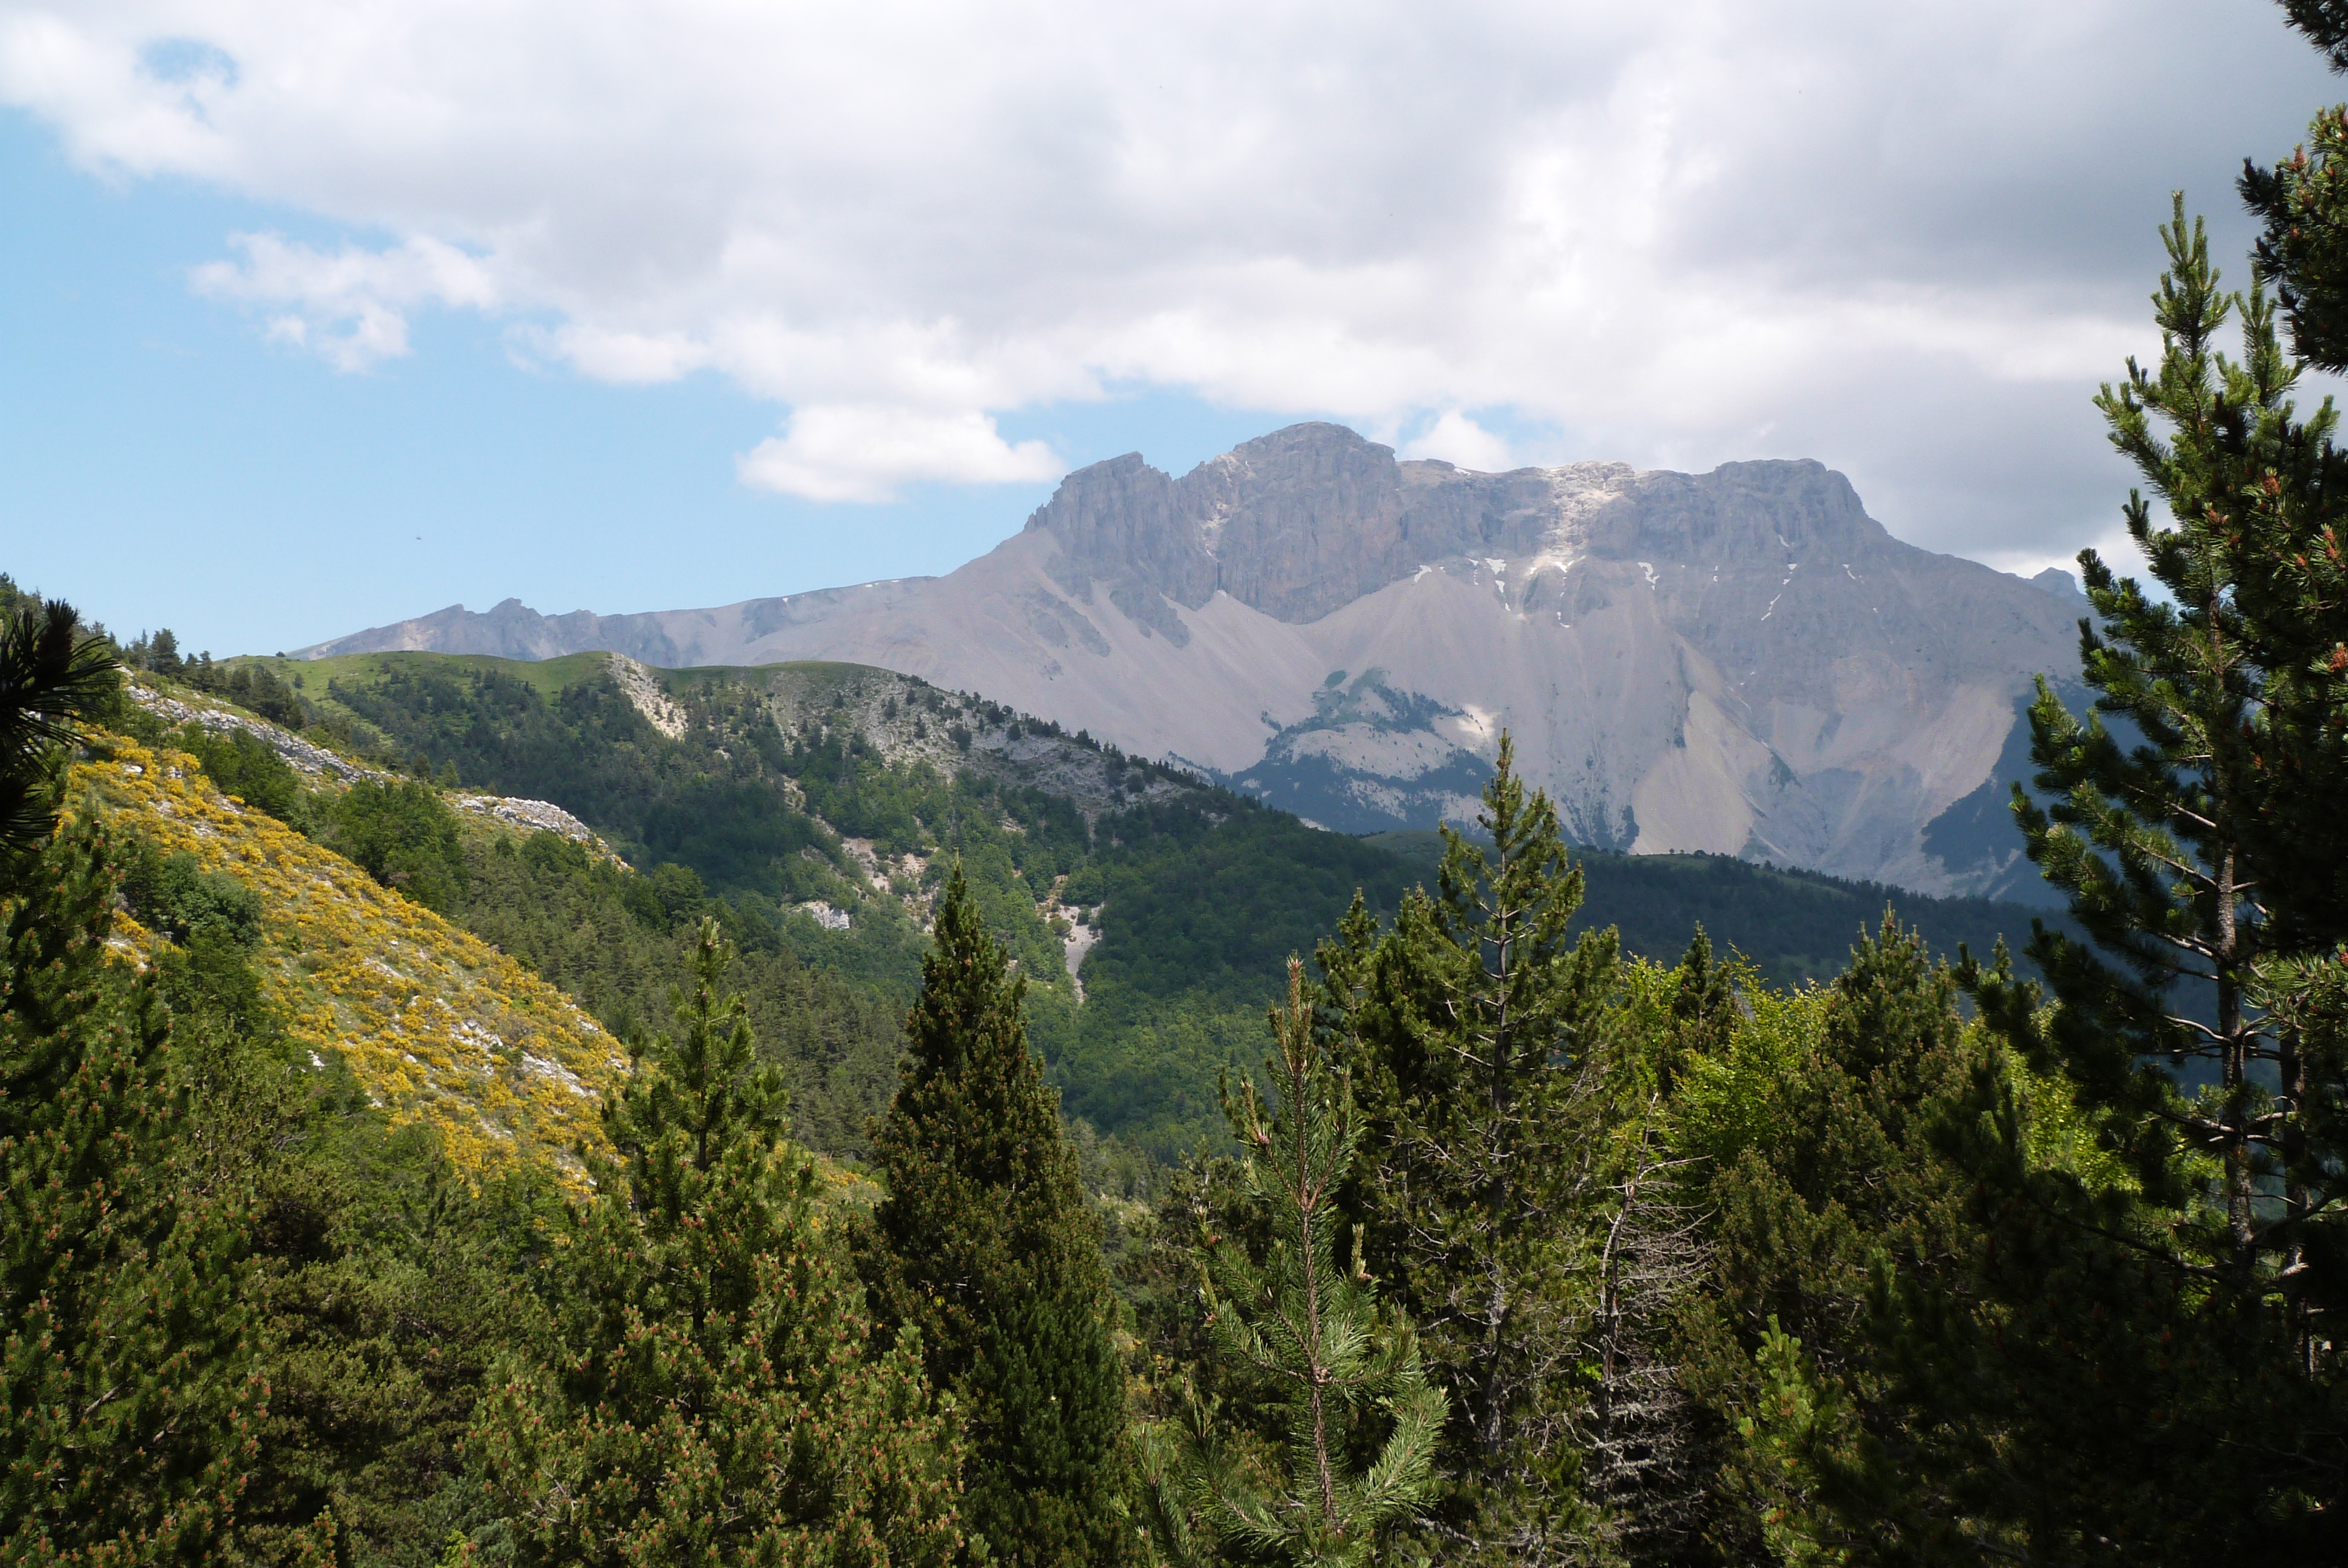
(314, 317)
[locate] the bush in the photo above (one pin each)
(173, 896)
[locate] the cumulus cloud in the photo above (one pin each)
(1904, 240)
(1457, 438)
(833, 453)
(351, 305)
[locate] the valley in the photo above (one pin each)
(817, 807)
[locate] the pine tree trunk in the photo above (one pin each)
(2234, 1045)
(2293, 1073)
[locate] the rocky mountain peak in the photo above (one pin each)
(1306, 520)
(1739, 512)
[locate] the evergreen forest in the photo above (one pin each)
(907, 1134)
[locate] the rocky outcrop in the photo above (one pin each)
(328, 767)
(1741, 661)
(306, 756)
(647, 696)
(539, 815)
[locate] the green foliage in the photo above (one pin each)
(715, 1398)
(378, 1289)
(1204, 897)
(1343, 1367)
(174, 896)
(618, 941)
(2190, 858)
(1481, 1034)
(755, 813)
(405, 837)
(54, 674)
(126, 1420)
(254, 687)
(1197, 897)
(388, 1293)
(158, 653)
(1816, 1122)
(246, 766)
(2302, 249)
(1794, 927)
(984, 1255)
(1933, 1326)
(1146, 1072)
(1792, 1417)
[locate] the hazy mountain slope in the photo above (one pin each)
(1740, 662)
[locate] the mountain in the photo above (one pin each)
(1738, 663)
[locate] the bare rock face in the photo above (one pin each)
(1741, 661)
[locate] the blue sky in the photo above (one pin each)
(167, 464)
(319, 317)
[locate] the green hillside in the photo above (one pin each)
(793, 797)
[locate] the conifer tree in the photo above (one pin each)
(2186, 858)
(1937, 1328)
(53, 673)
(2301, 204)
(984, 1253)
(126, 1406)
(1845, 1185)
(1702, 1009)
(1480, 1033)
(719, 1400)
(1362, 1418)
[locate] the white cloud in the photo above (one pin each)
(350, 306)
(864, 454)
(1904, 240)
(1457, 438)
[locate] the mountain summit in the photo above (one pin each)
(1741, 661)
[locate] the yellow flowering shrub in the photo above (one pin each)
(438, 1026)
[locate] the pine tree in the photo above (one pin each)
(1836, 1184)
(54, 675)
(1344, 1367)
(2301, 204)
(2186, 858)
(1702, 1009)
(719, 1400)
(1937, 1328)
(126, 1402)
(984, 1253)
(1480, 1034)
(1645, 1439)
(2292, 583)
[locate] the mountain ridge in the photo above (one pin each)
(1741, 662)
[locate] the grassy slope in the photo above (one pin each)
(548, 677)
